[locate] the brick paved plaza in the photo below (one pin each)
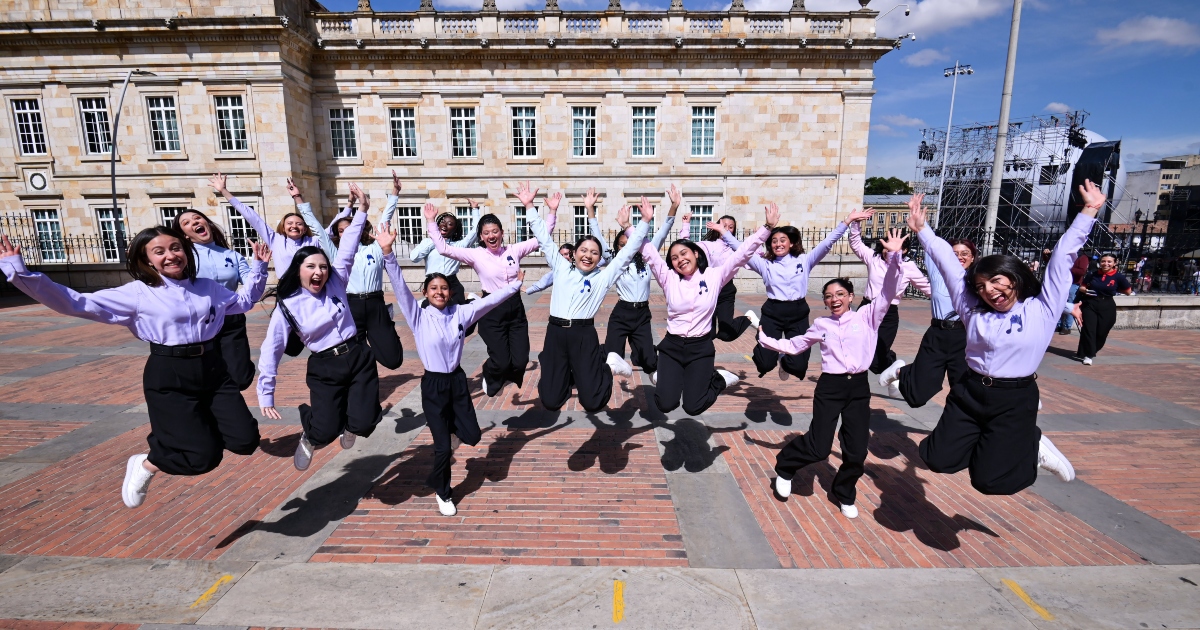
(675, 510)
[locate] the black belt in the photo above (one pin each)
(635, 304)
(365, 296)
(946, 324)
(1005, 383)
(190, 350)
(848, 376)
(567, 323)
(342, 348)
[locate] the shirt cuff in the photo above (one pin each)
(266, 400)
(13, 266)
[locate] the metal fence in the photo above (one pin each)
(44, 244)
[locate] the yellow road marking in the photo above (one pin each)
(748, 358)
(618, 601)
(1020, 592)
(212, 590)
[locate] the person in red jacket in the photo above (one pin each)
(1078, 271)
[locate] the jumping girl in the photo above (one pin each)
(717, 248)
(293, 232)
(847, 339)
(943, 346)
(686, 355)
(1095, 310)
(439, 330)
(216, 261)
(196, 411)
(567, 250)
(572, 354)
(505, 329)
(989, 424)
(448, 226)
(876, 267)
(785, 269)
(343, 382)
(364, 290)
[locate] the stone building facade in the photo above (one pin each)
(739, 109)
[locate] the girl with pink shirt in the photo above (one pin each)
(847, 339)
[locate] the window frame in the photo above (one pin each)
(51, 247)
(595, 118)
(579, 221)
(34, 133)
(634, 130)
(86, 106)
(119, 232)
(409, 222)
(238, 231)
(163, 210)
(150, 123)
(465, 221)
(530, 115)
(470, 131)
(217, 108)
(692, 136)
(392, 135)
(348, 124)
(697, 228)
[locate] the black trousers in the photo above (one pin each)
(627, 322)
(196, 413)
(458, 294)
(687, 371)
(990, 430)
(371, 317)
(847, 396)
(505, 331)
(574, 356)
(780, 320)
(235, 349)
(343, 396)
(728, 326)
(1099, 317)
(943, 353)
(888, 328)
(446, 400)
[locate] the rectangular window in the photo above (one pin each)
(465, 221)
(31, 133)
(643, 131)
(580, 222)
(241, 235)
(583, 131)
(404, 132)
(231, 124)
(97, 135)
(410, 224)
(524, 131)
(463, 142)
(701, 215)
(523, 231)
(49, 235)
(636, 217)
(168, 213)
(164, 124)
(704, 131)
(112, 233)
(341, 129)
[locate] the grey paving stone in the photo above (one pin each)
(58, 412)
(7, 562)
(182, 626)
(719, 530)
(68, 444)
(15, 472)
(1125, 421)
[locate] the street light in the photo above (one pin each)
(957, 70)
(113, 158)
(907, 12)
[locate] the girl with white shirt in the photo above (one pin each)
(343, 381)
(215, 260)
(572, 354)
(847, 339)
(449, 226)
(195, 409)
(989, 424)
(686, 356)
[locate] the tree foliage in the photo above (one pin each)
(887, 186)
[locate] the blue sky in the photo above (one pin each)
(1134, 65)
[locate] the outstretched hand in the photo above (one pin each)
(676, 196)
(589, 200)
(1093, 198)
(716, 225)
(385, 237)
(430, 212)
(686, 217)
(270, 412)
(261, 251)
(292, 189)
(7, 249)
(915, 201)
(395, 183)
(217, 181)
(894, 241)
(916, 219)
(623, 218)
(860, 215)
(553, 201)
(526, 194)
(772, 215)
(647, 210)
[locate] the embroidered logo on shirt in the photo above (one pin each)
(703, 287)
(1015, 320)
(587, 287)
(460, 331)
(510, 260)
(336, 302)
(370, 259)
(228, 262)
(212, 315)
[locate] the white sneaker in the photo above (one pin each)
(894, 390)
(455, 442)
(137, 480)
(1051, 459)
(347, 439)
(1039, 404)
(654, 378)
(731, 379)
(753, 317)
(850, 511)
(472, 296)
(618, 365)
(783, 487)
(445, 507)
(304, 453)
(485, 387)
(892, 373)
(1087, 360)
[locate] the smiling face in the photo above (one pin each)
(314, 272)
(438, 293)
(293, 227)
(997, 292)
(167, 256)
(728, 224)
(965, 257)
(682, 259)
(780, 245)
(492, 236)
(446, 225)
(1107, 264)
(195, 227)
(587, 256)
(838, 299)
(565, 252)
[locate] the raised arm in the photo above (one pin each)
(245, 274)
(663, 231)
(942, 255)
(422, 250)
(268, 358)
(469, 239)
(662, 272)
(342, 214)
(893, 282)
(543, 283)
(793, 345)
(609, 274)
(864, 253)
(351, 240)
(108, 306)
(818, 253)
(476, 309)
(1057, 281)
(912, 275)
(251, 290)
(533, 219)
(318, 230)
(729, 267)
(606, 253)
(264, 232)
(461, 254)
(385, 237)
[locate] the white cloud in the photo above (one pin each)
(900, 120)
(928, 16)
(1059, 108)
(1136, 150)
(926, 57)
(1149, 29)
(887, 130)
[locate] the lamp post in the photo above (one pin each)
(1010, 68)
(957, 70)
(113, 157)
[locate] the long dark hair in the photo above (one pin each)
(701, 258)
(485, 220)
(217, 234)
(137, 263)
(793, 236)
(289, 282)
(638, 260)
(364, 239)
(713, 235)
(1025, 282)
